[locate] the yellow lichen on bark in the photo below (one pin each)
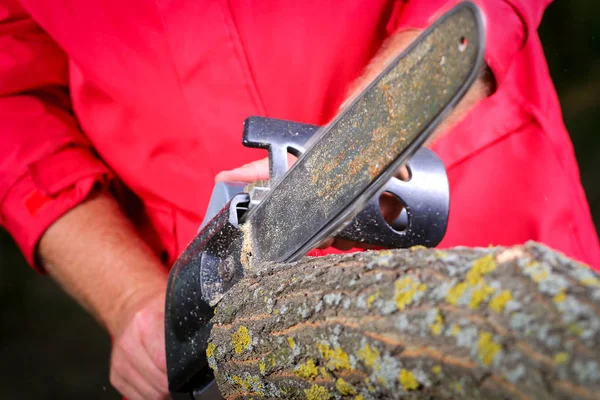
(455, 330)
(370, 387)
(291, 342)
(344, 387)
(405, 290)
(336, 358)
(317, 392)
(241, 339)
(372, 298)
(248, 383)
(480, 294)
(561, 358)
(481, 291)
(307, 371)
(408, 380)
(438, 325)
(210, 350)
(456, 292)
(369, 355)
(480, 268)
(594, 282)
(539, 276)
(499, 301)
(559, 298)
(487, 348)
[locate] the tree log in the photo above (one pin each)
(485, 323)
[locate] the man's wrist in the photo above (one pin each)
(95, 254)
(132, 303)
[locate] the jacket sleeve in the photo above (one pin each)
(46, 164)
(508, 24)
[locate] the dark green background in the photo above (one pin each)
(50, 349)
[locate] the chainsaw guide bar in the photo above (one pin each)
(355, 155)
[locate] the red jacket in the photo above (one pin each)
(158, 92)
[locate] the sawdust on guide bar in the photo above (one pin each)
(340, 167)
(246, 253)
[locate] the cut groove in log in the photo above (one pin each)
(487, 323)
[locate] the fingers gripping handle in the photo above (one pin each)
(425, 195)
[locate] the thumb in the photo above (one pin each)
(251, 172)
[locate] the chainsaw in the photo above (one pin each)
(332, 190)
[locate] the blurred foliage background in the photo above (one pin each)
(51, 349)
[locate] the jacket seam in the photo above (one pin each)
(242, 58)
(516, 99)
(574, 182)
(498, 139)
(173, 209)
(174, 65)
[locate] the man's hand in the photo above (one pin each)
(138, 360)
(96, 255)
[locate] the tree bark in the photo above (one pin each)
(486, 323)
